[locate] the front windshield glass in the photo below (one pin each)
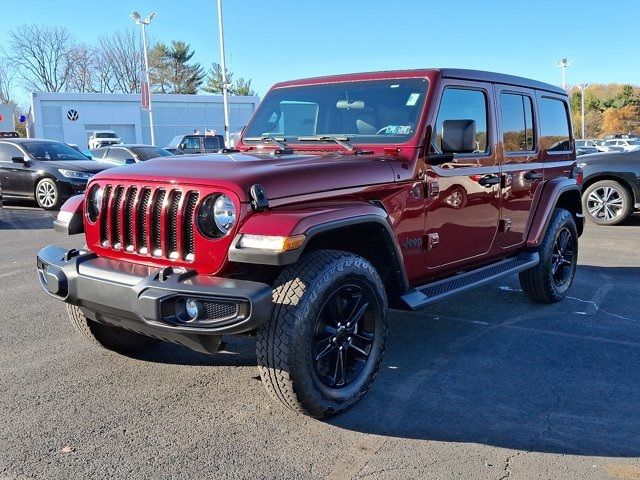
(52, 151)
(147, 153)
(379, 111)
(175, 141)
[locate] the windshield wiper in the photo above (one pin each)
(280, 143)
(341, 141)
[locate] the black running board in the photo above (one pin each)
(430, 293)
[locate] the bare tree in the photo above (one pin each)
(6, 82)
(81, 78)
(42, 56)
(122, 57)
(103, 74)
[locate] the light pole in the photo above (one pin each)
(135, 16)
(564, 64)
(582, 87)
(225, 87)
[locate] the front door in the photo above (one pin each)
(462, 215)
(15, 178)
(522, 167)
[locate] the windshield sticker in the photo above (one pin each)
(413, 99)
(397, 129)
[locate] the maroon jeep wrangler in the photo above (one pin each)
(346, 196)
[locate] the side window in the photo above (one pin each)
(554, 125)
(460, 105)
(211, 143)
(8, 151)
(517, 122)
(192, 143)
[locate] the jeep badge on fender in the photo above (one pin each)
(307, 237)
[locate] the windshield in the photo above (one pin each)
(147, 153)
(175, 141)
(106, 135)
(379, 111)
(633, 142)
(52, 151)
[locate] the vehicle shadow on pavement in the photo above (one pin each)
(17, 217)
(499, 370)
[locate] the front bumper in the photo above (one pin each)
(148, 300)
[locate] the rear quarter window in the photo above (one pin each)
(554, 125)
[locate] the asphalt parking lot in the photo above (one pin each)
(488, 386)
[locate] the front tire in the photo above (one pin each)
(47, 195)
(110, 338)
(323, 345)
(606, 202)
(550, 280)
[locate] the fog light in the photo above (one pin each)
(193, 308)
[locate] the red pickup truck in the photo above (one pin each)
(347, 195)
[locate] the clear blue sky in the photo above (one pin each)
(272, 40)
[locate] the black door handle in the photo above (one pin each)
(489, 180)
(532, 175)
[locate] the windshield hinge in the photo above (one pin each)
(259, 200)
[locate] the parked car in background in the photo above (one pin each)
(611, 186)
(628, 145)
(123, 154)
(101, 138)
(46, 171)
(195, 143)
(599, 145)
(585, 150)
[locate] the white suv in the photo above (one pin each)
(103, 138)
(627, 145)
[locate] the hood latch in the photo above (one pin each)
(259, 200)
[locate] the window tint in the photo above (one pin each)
(52, 151)
(517, 122)
(147, 153)
(554, 126)
(192, 143)
(459, 104)
(98, 152)
(8, 151)
(119, 154)
(212, 143)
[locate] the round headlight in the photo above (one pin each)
(216, 216)
(94, 204)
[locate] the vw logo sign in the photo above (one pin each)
(72, 115)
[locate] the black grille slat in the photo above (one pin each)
(156, 220)
(115, 216)
(142, 218)
(104, 216)
(128, 216)
(172, 234)
(188, 223)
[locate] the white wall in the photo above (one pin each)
(173, 115)
(6, 118)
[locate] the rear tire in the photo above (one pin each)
(550, 280)
(323, 345)
(110, 338)
(606, 202)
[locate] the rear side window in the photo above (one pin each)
(211, 143)
(517, 122)
(463, 104)
(554, 125)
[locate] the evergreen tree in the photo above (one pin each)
(171, 71)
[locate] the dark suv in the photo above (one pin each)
(196, 143)
(347, 195)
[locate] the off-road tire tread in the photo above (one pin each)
(275, 337)
(536, 282)
(110, 338)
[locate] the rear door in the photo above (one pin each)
(522, 167)
(462, 218)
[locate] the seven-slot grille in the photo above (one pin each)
(146, 220)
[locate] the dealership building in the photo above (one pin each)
(72, 117)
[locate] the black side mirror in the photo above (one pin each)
(18, 160)
(129, 161)
(182, 146)
(458, 136)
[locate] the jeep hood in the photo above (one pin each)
(281, 176)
